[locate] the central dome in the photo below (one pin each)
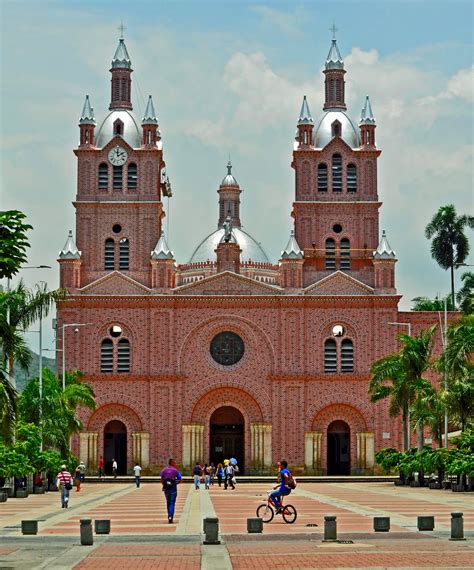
(131, 130)
(323, 133)
(251, 249)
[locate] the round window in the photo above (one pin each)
(338, 330)
(337, 228)
(116, 228)
(115, 331)
(227, 348)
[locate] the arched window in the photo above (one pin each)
(336, 173)
(123, 355)
(347, 356)
(330, 254)
(322, 177)
(115, 91)
(345, 254)
(107, 356)
(339, 90)
(330, 356)
(124, 254)
(351, 178)
(118, 127)
(132, 176)
(117, 178)
(103, 176)
(331, 89)
(124, 89)
(336, 129)
(109, 255)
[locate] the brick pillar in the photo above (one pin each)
(312, 452)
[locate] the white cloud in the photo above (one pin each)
(288, 23)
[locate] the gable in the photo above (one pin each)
(115, 283)
(227, 283)
(339, 283)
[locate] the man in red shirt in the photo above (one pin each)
(64, 483)
(101, 467)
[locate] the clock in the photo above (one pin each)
(118, 156)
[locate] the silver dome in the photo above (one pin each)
(250, 248)
(323, 132)
(131, 130)
(229, 180)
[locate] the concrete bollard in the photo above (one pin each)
(254, 525)
(330, 528)
(29, 527)
(426, 522)
(102, 526)
(87, 538)
(211, 530)
(3, 496)
(457, 526)
(381, 524)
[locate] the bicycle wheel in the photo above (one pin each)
(265, 512)
(289, 514)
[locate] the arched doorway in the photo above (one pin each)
(227, 436)
(339, 445)
(115, 446)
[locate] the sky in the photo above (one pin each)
(229, 77)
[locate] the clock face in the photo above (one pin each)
(118, 156)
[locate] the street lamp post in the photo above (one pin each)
(408, 414)
(64, 327)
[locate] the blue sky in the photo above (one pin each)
(229, 77)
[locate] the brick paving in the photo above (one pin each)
(140, 515)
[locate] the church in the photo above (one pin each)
(230, 353)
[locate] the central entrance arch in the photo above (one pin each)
(339, 445)
(227, 434)
(115, 446)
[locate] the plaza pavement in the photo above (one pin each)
(142, 538)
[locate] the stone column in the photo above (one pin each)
(365, 452)
(141, 448)
(88, 449)
(193, 444)
(312, 451)
(267, 446)
(256, 446)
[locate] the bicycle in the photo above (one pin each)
(266, 511)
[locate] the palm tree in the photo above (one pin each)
(19, 309)
(450, 246)
(399, 377)
(58, 420)
(8, 408)
(465, 295)
(456, 362)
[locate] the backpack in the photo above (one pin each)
(168, 484)
(291, 482)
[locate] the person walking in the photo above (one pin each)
(207, 476)
(101, 467)
(114, 468)
(83, 468)
(170, 479)
(220, 473)
(64, 484)
(282, 488)
(212, 471)
(229, 476)
(197, 472)
(137, 470)
(77, 478)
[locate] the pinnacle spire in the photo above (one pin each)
(87, 116)
(334, 59)
(305, 117)
(384, 251)
(367, 116)
(162, 251)
(149, 118)
(292, 249)
(70, 251)
(121, 58)
(229, 179)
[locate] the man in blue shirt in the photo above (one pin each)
(282, 487)
(170, 479)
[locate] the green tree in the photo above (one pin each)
(399, 376)
(457, 364)
(13, 242)
(59, 420)
(424, 304)
(450, 246)
(8, 408)
(19, 309)
(465, 295)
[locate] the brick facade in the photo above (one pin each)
(170, 387)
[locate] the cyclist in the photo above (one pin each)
(282, 487)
